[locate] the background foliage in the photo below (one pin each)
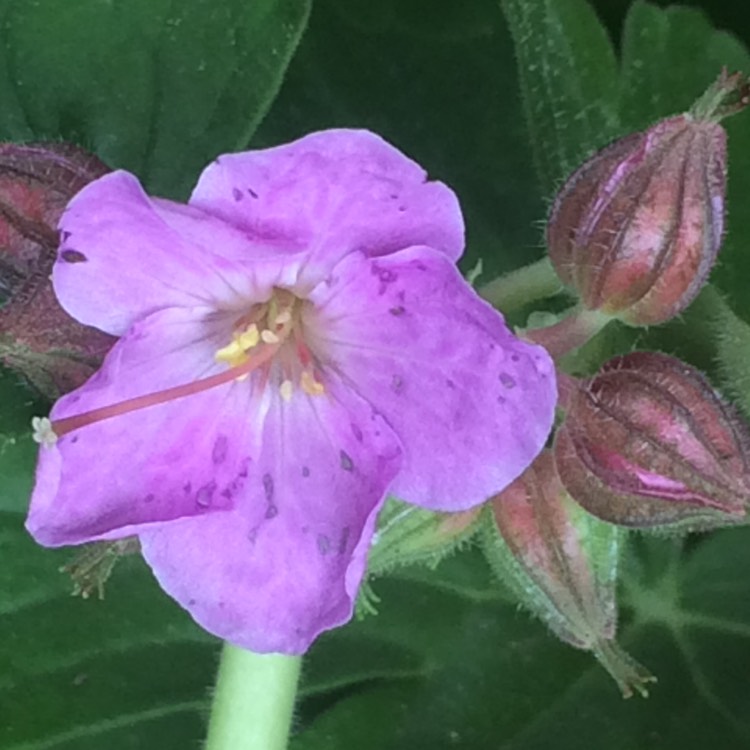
(160, 88)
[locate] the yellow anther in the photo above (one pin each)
(249, 337)
(269, 337)
(233, 354)
(286, 389)
(311, 386)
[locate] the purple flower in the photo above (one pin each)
(296, 343)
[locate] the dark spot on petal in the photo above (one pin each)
(397, 383)
(344, 541)
(191, 602)
(186, 488)
(346, 462)
(73, 256)
(397, 311)
(74, 439)
(252, 193)
(222, 605)
(507, 380)
(64, 236)
(515, 358)
(271, 512)
(252, 535)
(244, 468)
(228, 492)
(219, 452)
(268, 487)
(357, 432)
(305, 529)
(205, 495)
(450, 384)
(305, 472)
(149, 498)
(324, 544)
(420, 266)
(393, 196)
(501, 399)
(237, 194)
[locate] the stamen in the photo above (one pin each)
(311, 386)
(249, 337)
(282, 318)
(269, 337)
(68, 424)
(286, 389)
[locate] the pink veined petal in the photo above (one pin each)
(286, 563)
(186, 457)
(124, 255)
(471, 403)
(337, 191)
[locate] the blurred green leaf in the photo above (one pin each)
(568, 76)
(156, 87)
(489, 678)
(18, 404)
(448, 101)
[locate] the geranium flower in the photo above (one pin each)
(296, 343)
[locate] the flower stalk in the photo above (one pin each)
(253, 700)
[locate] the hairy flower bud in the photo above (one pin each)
(636, 229)
(37, 337)
(562, 564)
(648, 443)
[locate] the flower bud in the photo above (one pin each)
(648, 443)
(37, 337)
(562, 564)
(636, 229)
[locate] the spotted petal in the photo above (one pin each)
(472, 404)
(124, 255)
(185, 457)
(339, 191)
(286, 563)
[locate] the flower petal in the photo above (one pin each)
(337, 191)
(124, 255)
(184, 457)
(286, 563)
(472, 404)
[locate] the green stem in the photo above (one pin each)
(517, 288)
(253, 701)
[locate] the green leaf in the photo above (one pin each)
(483, 676)
(80, 675)
(18, 405)
(156, 87)
(448, 101)
(568, 77)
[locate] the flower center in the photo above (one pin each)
(277, 323)
(267, 340)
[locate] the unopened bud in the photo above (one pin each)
(37, 337)
(562, 564)
(636, 229)
(648, 443)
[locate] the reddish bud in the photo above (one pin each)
(648, 443)
(636, 229)
(37, 337)
(562, 564)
